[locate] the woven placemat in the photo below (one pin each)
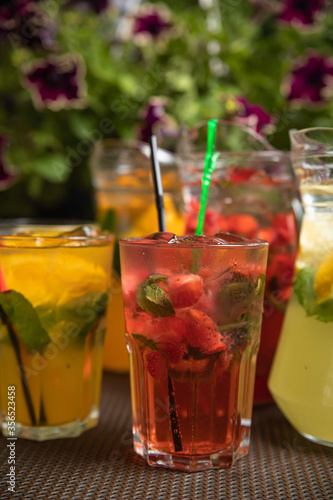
(101, 464)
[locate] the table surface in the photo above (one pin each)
(101, 464)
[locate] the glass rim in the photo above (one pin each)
(135, 145)
(35, 221)
(266, 146)
(305, 148)
(39, 237)
(48, 224)
(309, 129)
(274, 155)
(250, 244)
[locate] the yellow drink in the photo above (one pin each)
(301, 378)
(302, 373)
(59, 288)
(126, 206)
(134, 216)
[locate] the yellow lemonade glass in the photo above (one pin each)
(54, 289)
(126, 207)
(301, 378)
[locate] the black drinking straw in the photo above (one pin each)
(157, 184)
(16, 346)
(175, 429)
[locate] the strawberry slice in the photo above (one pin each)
(286, 229)
(243, 225)
(238, 174)
(155, 363)
(169, 335)
(201, 332)
(170, 329)
(266, 234)
(214, 222)
(173, 352)
(185, 289)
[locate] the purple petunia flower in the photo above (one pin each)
(96, 5)
(153, 116)
(151, 22)
(311, 80)
(23, 23)
(7, 177)
(253, 116)
(301, 11)
(57, 82)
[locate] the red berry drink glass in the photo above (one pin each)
(252, 194)
(193, 309)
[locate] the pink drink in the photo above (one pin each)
(193, 308)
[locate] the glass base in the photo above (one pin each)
(222, 459)
(43, 433)
(316, 440)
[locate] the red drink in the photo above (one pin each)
(252, 194)
(280, 230)
(193, 308)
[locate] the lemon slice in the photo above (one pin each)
(53, 280)
(323, 284)
(146, 221)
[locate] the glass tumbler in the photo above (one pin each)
(122, 177)
(252, 194)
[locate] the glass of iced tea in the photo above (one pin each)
(54, 288)
(252, 194)
(125, 202)
(193, 309)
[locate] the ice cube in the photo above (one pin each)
(229, 238)
(85, 230)
(163, 237)
(199, 241)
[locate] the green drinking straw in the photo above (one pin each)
(210, 164)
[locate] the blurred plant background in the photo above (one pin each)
(75, 71)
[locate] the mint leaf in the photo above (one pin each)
(235, 334)
(146, 342)
(84, 312)
(239, 294)
(23, 318)
(158, 277)
(152, 298)
(304, 289)
(75, 318)
(306, 295)
(324, 311)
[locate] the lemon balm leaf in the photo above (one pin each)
(23, 318)
(153, 299)
(77, 317)
(145, 341)
(305, 292)
(87, 311)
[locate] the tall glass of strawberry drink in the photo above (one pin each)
(193, 309)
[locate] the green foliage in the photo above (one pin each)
(18, 315)
(306, 295)
(153, 299)
(251, 54)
